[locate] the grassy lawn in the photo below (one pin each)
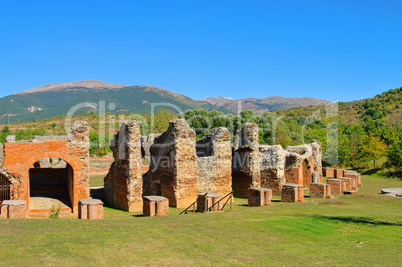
(96, 180)
(361, 229)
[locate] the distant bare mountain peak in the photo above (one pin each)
(93, 84)
(216, 99)
(260, 105)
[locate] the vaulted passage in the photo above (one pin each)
(50, 186)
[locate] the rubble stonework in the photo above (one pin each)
(123, 183)
(273, 167)
(21, 156)
(276, 166)
(173, 169)
(246, 161)
(299, 164)
(214, 162)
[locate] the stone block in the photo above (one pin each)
(315, 177)
(155, 206)
(90, 209)
(350, 183)
(320, 190)
(328, 172)
(353, 174)
(258, 196)
(212, 199)
(338, 173)
(13, 209)
(292, 193)
(337, 186)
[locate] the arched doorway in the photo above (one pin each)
(51, 184)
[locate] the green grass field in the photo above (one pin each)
(362, 229)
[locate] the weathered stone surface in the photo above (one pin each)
(328, 172)
(299, 164)
(353, 174)
(292, 193)
(293, 165)
(273, 167)
(246, 161)
(338, 173)
(337, 186)
(21, 156)
(350, 183)
(155, 206)
(123, 183)
(41, 139)
(394, 192)
(315, 178)
(317, 159)
(320, 190)
(258, 196)
(90, 209)
(14, 209)
(10, 138)
(214, 162)
(173, 169)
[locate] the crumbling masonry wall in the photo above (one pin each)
(123, 183)
(173, 168)
(214, 162)
(246, 161)
(19, 157)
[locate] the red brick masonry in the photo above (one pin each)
(14, 209)
(155, 206)
(258, 196)
(90, 209)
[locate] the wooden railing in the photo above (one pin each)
(209, 209)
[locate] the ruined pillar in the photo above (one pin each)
(173, 165)
(246, 161)
(317, 158)
(214, 162)
(78, 144)
(123, 183)
(272, 167)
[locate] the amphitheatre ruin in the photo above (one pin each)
(39, 174)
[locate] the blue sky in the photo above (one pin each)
(344, 50)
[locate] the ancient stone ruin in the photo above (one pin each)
(214, 162)
(272, 166)
(26, 181)
(246, 161)
(173, 170)
(123, 183)
(182, 171)
(181, 167)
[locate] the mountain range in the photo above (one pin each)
(57, 99)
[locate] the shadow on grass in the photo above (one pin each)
(357, 220)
